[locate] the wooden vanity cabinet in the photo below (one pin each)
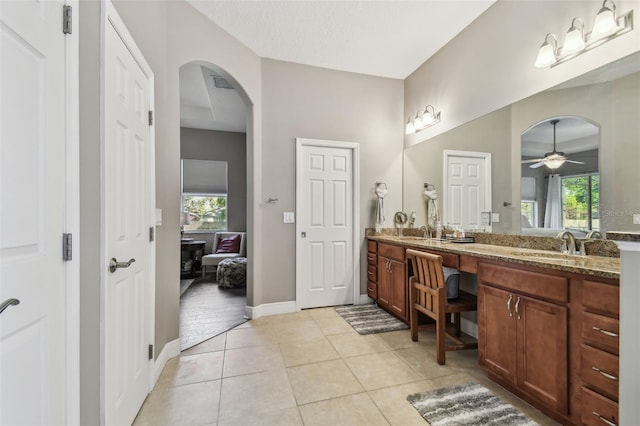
(392, 286)
(372, 269)
(523, 334)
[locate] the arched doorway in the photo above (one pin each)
(215, 129)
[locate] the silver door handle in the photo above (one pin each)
(517, 305)
(114, 264)
(509, 305)
(7, 303)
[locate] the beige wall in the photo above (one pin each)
(197, 144)
(316, 103)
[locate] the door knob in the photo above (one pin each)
(7, 303)
(114, 264)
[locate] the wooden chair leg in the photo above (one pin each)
(413, 313)
(441, 338)
(204, 269)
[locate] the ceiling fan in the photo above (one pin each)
(553, 159)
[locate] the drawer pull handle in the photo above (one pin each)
(369, 272)
(603, 420)
(607, 375)
(509, 305)
(605, 332)
(517, 305)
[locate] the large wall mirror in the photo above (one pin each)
(598, 126)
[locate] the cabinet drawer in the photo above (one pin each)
(600, 371)
(448, 259)
(372, 273)
(372, 246)
(596, 407)
(372, 290)
(601, 297)
(372, 258)
(391, 251)
(536, 284)
(601, 331)
(468, 264)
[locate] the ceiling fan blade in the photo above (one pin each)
(574, 162)
(535, 166)
(535, 160)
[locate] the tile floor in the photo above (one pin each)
(207, 310)
(307, 368)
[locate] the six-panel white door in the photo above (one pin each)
(325, 269)
(468, 180)
(128, 188)
(33, 111)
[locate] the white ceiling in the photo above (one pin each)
(387, 38)
(573, 134)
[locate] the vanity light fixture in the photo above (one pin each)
(606, 27)
(574, 40)
(423, 119)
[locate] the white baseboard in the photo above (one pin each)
(364, 300)
(267, 309)
(170, 350)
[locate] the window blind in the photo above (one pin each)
(204, 177)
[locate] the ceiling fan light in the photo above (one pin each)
(605, 23)
(555, 163)
(574, 40)
(547, 53)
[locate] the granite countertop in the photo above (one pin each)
(624, 236)
(599, 266)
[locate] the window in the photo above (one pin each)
(580, 202)
(529, 210)
(204, 195)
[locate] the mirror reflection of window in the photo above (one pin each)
(204, 194)
(580, 199)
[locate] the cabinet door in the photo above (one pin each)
(497, 332)
(398, 302)
(542, 351)
(384, 282)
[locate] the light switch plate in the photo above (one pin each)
(495, 217)
(636, 218)
(288, 217)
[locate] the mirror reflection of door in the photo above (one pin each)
(560, 178)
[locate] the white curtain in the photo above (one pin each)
(553, 211)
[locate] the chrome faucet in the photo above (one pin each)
(570, 241)
(594, 235)
(424, 229)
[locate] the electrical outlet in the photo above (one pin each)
(636, 218)
(288, 217)
(495, 217)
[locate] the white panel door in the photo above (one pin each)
(467, 183)
(32, 203)
(127, 138)
(325, 225)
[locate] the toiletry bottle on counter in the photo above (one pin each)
(438, 231)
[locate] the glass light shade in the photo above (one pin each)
(428, 119)
(418, 123)
(574, 41)
(546, 56)
(605, 23)
(410, 128)
(554, 164)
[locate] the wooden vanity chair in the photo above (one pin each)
(428, 294)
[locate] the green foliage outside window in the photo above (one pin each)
(205, 212)
(580, 202)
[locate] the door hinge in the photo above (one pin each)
(67, 13)
(67, 247)
(151, 233)
(150, 118)
(150, 351)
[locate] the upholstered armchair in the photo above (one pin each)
(226, 245)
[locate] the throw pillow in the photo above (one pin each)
(229, 245)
